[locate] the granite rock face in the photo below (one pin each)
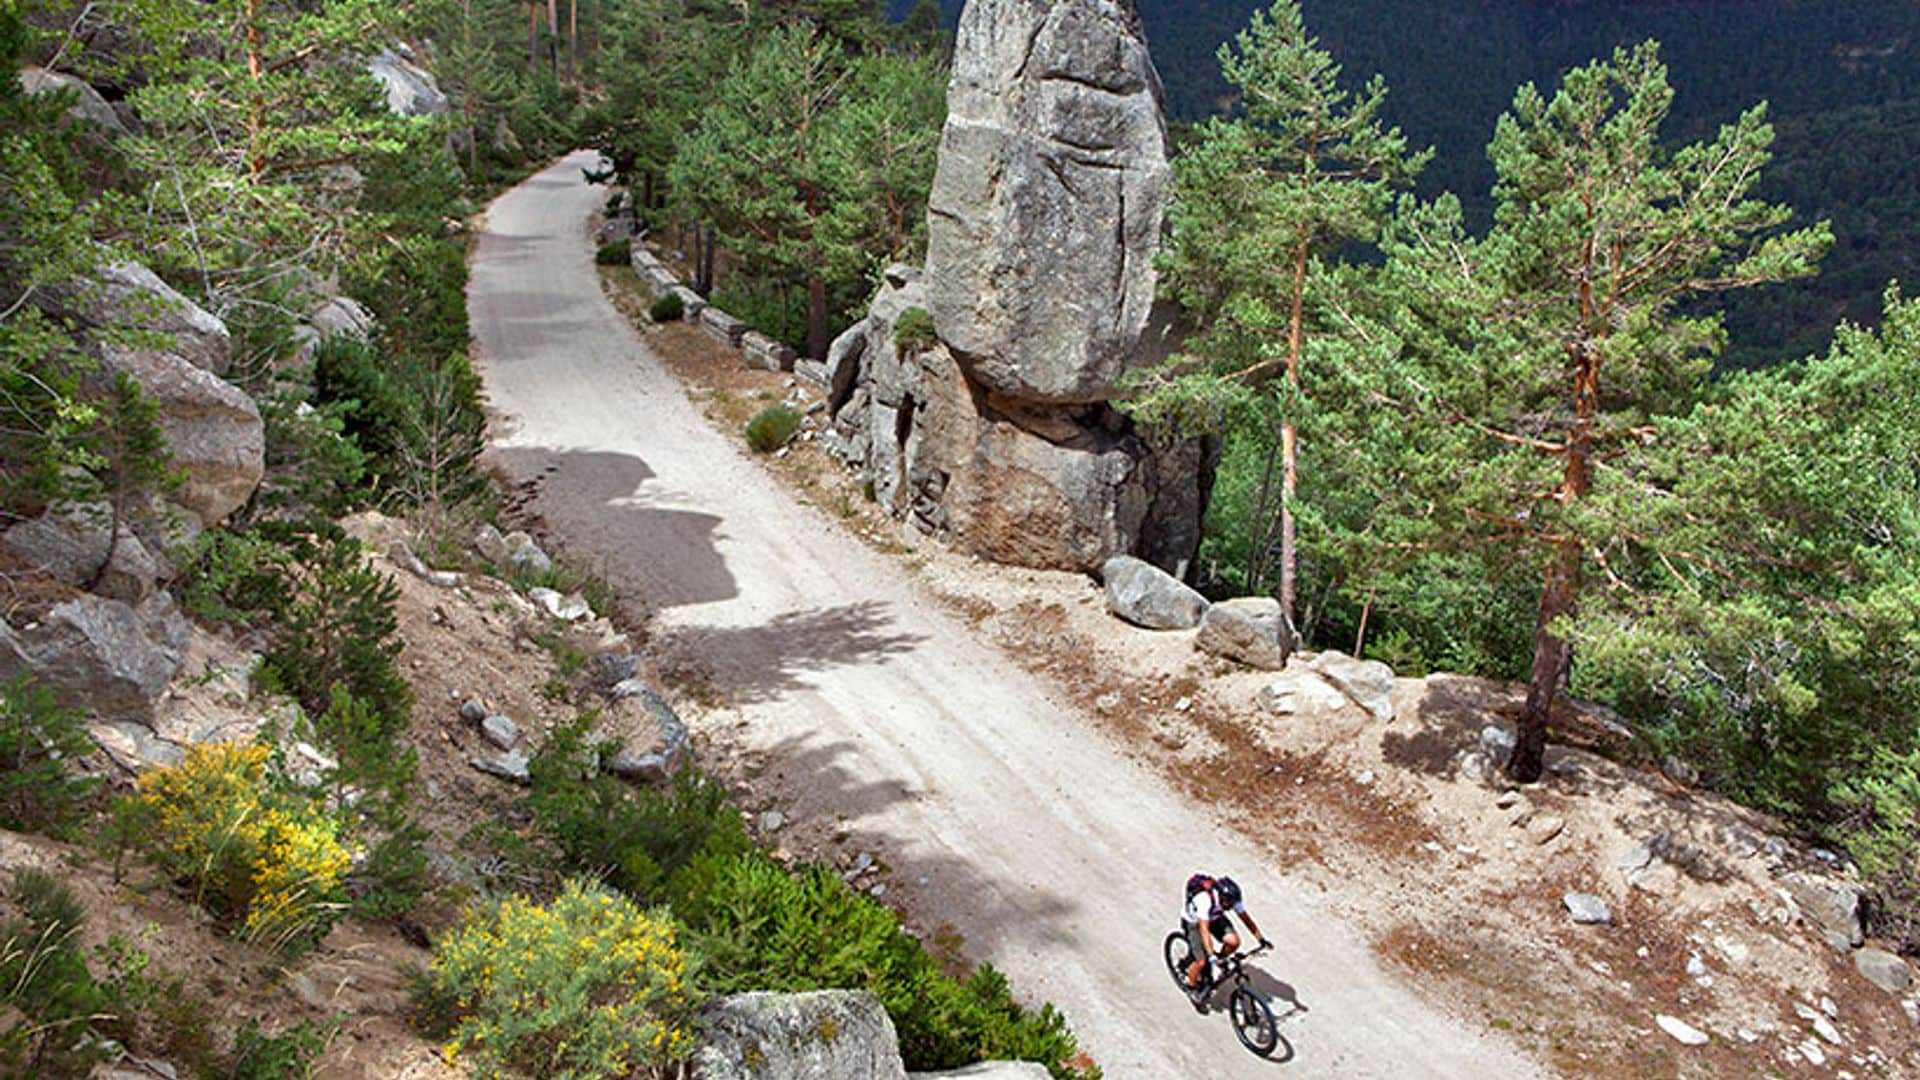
(411, 89)
(1048, 199)
(996, 432)
(1053, 487)
(213, 429)
(842, 1034)
(88, 106)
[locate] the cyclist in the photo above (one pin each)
(1210, 934)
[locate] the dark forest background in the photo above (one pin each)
(1843, 78)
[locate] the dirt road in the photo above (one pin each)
(1058, 858)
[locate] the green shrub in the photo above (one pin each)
(669, 308)
(39, 791)
(757, 926)
(313, 466)
(289, 1055)
(1885, 793)
(45, 988)
(913, 332)
(372, 784)
(261, 858)
(588, 986)
(772, 427)
(635, 839)
(332, 615)
(614, 253)
(416, 418)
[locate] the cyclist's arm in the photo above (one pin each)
(1208, 945)
(1252, 927)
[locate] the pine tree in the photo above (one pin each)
(1260, 200)
(1527, 370)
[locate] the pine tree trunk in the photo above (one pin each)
(1289, 443)
(573, 40)
(817, 341)
(257, 107)
(706, 263)
(1553, 654)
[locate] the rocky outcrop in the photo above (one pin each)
(1251, 630)
(410, 88)
(128, 296)
(213, 430)
(101, 655)
(824, 1035)
(1061, 488)
(1148, 596)
(1047, 202)
(995, 431)
(88, 106)
(71, 544)
(136, 324)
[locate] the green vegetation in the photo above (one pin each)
(772, 427)
(746, 923)
(913, 333)
(668, 309)
(614, 253)
(39, 741)
(1517, 457)
(587, 986)
(263, 857)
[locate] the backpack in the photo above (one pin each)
(1197, 884)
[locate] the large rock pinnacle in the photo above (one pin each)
(1047, 204)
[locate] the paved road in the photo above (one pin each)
(1058, 858)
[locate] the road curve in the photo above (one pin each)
(1057, 857)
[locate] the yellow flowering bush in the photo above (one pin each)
(269, 860)
(588, 986)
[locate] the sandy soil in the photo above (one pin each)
(1016, 819)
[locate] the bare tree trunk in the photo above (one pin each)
(817, 339)
(257, 107)
(553, 38)
(706, 263)
(573, 40)
(533, 34)
(1289, 444)
(466, 109)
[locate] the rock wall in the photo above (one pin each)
(1045, 217)
(1048, 200)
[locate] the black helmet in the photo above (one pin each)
(1228, 890)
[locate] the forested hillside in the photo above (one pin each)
(1843, 79)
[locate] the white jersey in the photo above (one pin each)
(1206, 905)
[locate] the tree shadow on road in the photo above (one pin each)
(752, 665)
(654, 556)
(836, 809)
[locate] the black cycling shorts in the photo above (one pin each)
(1219, 927)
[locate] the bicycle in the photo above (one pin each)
(1252, 1017)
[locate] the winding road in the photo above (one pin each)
(1057, 857)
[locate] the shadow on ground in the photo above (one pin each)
(659, 555)
(763, 662)
(825, 782)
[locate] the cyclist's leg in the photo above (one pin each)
(1225, 937)
(1197, 951)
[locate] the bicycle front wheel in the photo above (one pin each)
(1253, 1022)
(1178, 957)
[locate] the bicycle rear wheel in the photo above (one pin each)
(1179, 955)
(1253, 1021)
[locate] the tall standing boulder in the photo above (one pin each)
(1048, 198)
